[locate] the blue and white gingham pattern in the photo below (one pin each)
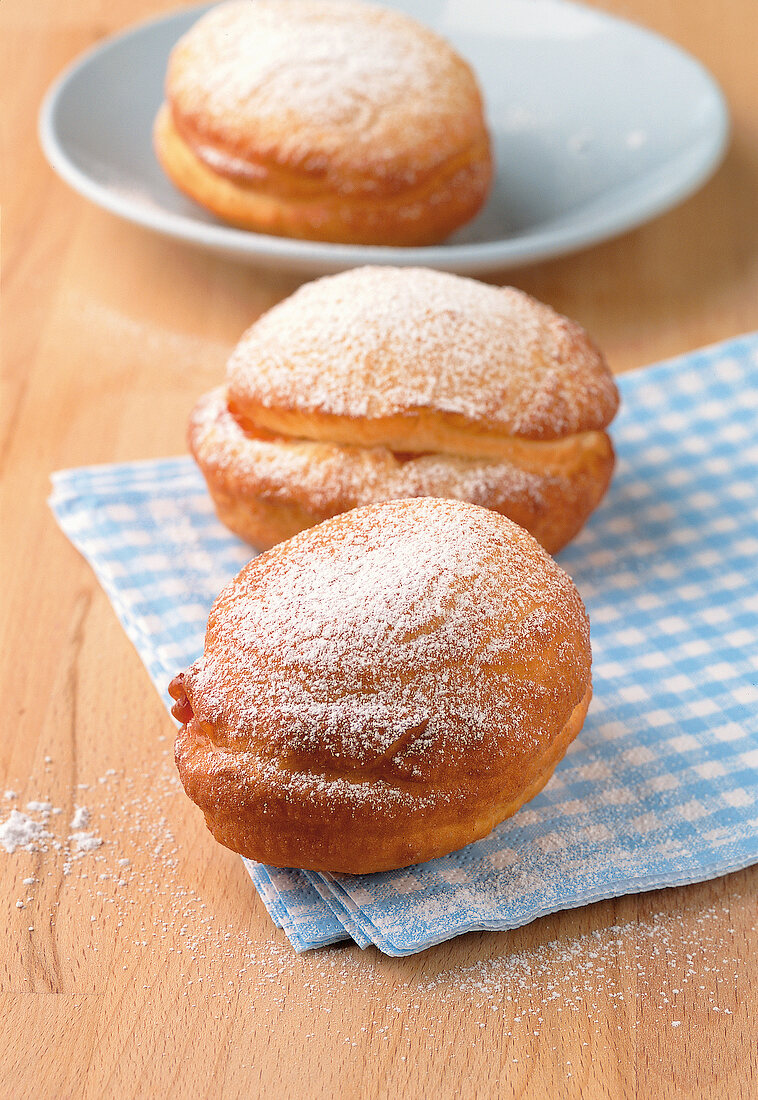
(661, 787)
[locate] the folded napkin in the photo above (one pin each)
(660, 788)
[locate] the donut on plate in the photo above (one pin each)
(400, 382)
(327, 120)
(383, 689)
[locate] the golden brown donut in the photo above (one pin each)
(387, 382)
(325, 119)
(383, 689)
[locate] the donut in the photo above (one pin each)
(400, 382)
(326, 120)
(383, 689)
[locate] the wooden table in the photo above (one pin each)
(164, 976)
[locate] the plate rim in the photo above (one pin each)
(287, 252)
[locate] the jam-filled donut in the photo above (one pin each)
(396, 382)
(383, 689)
(325, 119)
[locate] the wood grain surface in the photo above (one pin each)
(163, 975)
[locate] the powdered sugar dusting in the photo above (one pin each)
(37, 806)
(378, 342)
(80, 820)
(413, 630)
(85, 842)
(308, 83)
(590, 974)
(22, 831)
(625, 965)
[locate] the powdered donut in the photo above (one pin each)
(325, 119)
(387, 382)
(383, 689)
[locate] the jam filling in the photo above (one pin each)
(182, 709)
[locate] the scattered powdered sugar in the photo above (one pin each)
(591, 973)
(22, 831)
(617, 976)
(85, 842)
(627, 966)
(80, 820)
(414, 631)
(379, 342)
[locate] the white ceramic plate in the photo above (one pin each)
(598, 126)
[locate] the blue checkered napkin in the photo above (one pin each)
(661, 787)
(296, 908)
